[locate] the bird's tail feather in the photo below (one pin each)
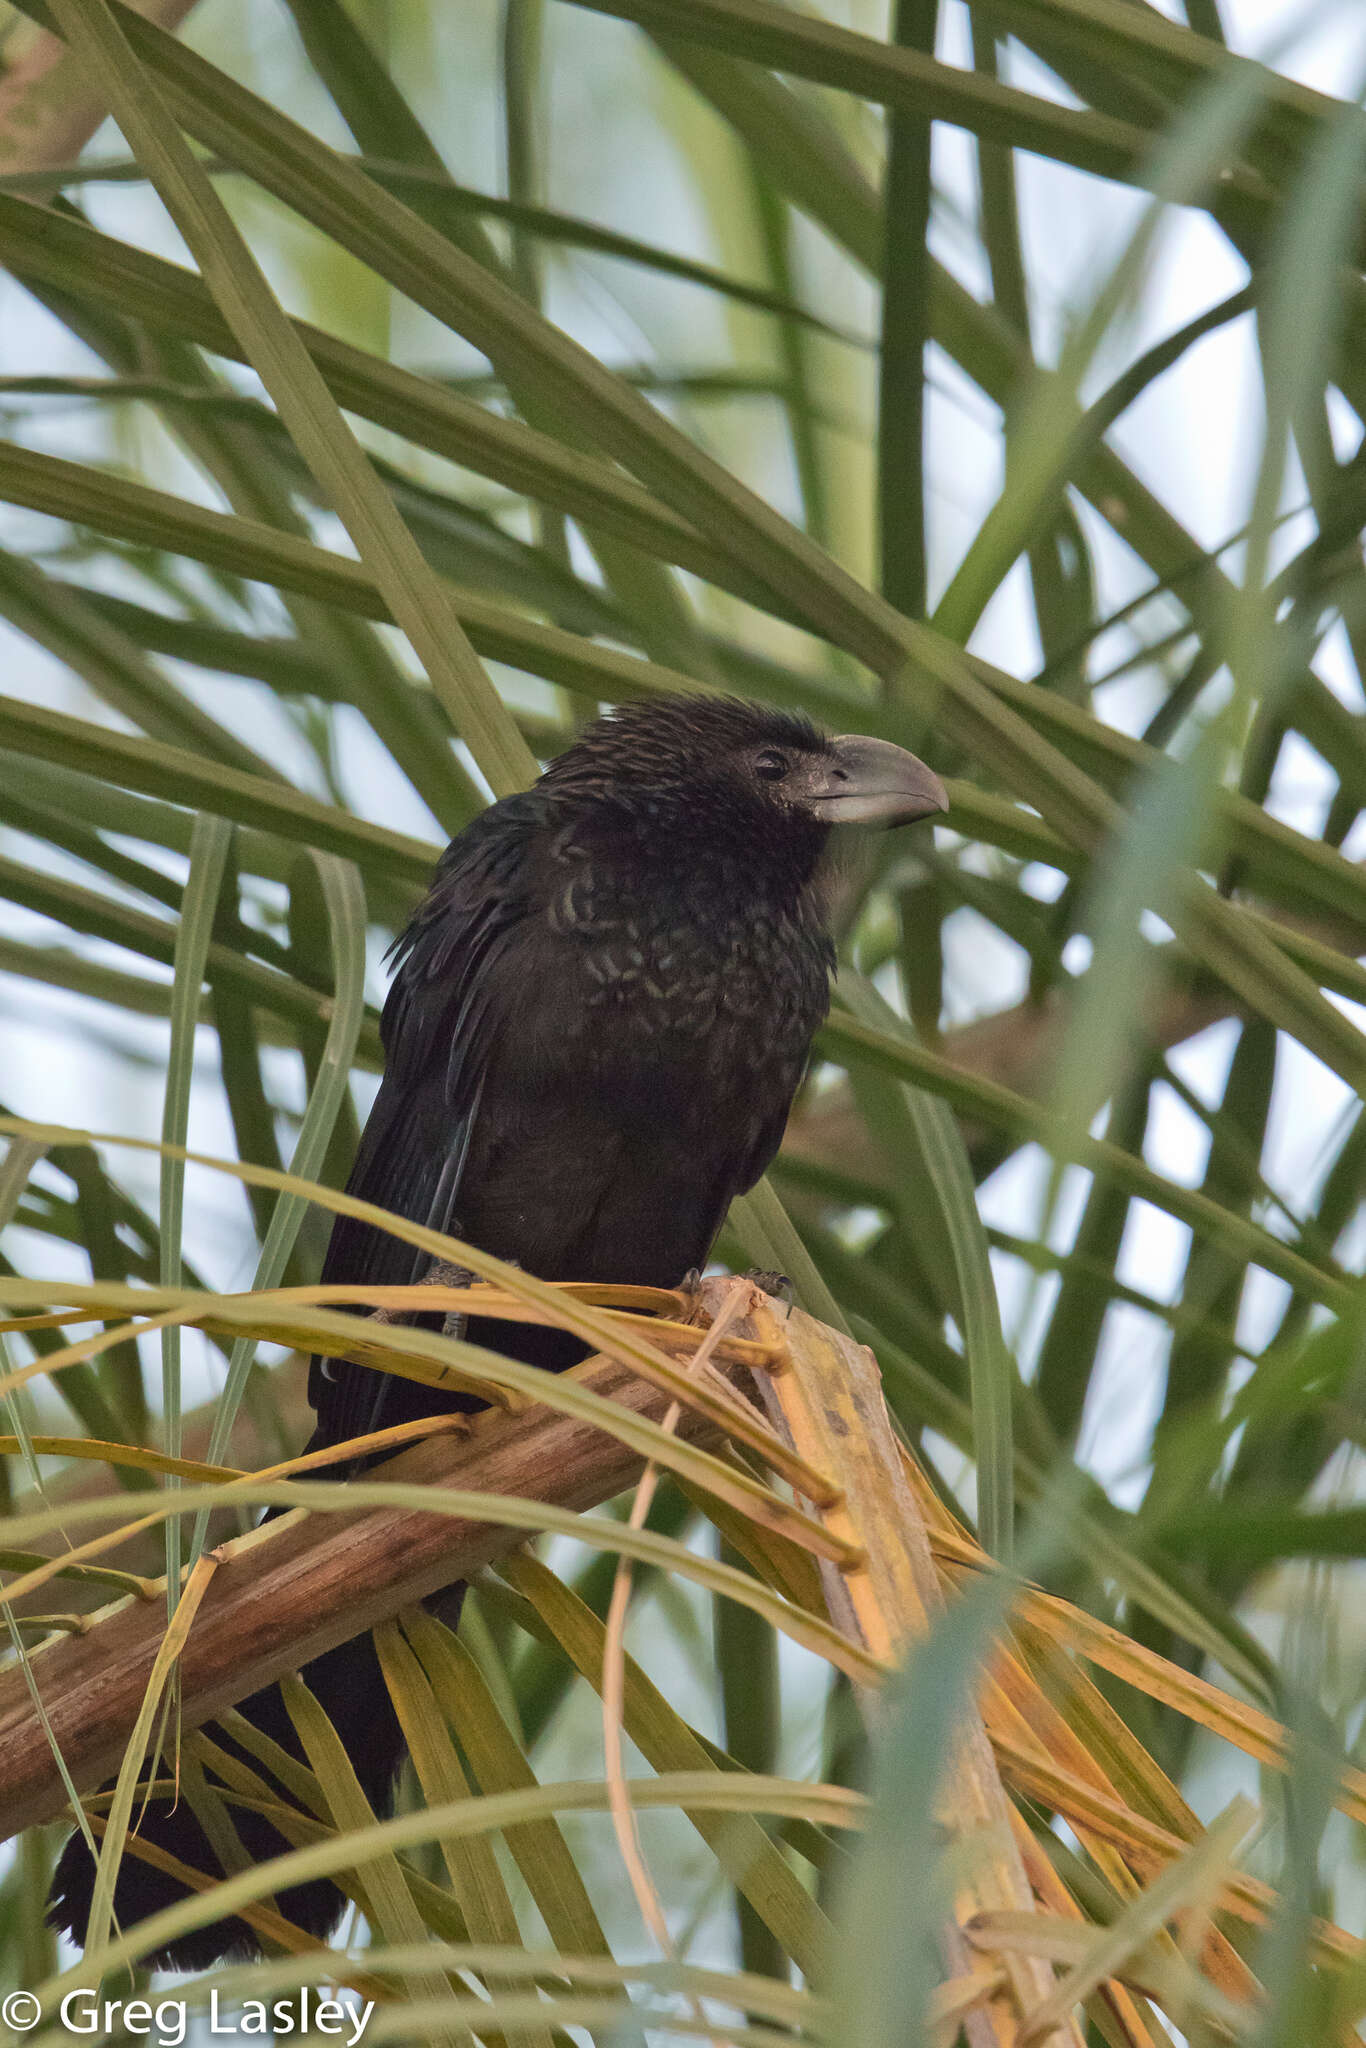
(348, 1683)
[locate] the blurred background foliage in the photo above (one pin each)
(986, 376)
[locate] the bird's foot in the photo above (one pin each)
(776, 1284)
(441, 1273)
(687, 1289)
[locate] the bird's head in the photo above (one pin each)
(721, 771)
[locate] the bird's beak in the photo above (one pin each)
(863, 781)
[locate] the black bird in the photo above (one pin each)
(601, 1014)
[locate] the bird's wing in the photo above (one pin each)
(809, 996)
(438, 1029)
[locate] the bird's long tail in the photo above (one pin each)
(348, 1683)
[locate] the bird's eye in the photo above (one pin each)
(771, 765)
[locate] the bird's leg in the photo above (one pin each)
(441, 1273)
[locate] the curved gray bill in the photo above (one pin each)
(864, 781)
